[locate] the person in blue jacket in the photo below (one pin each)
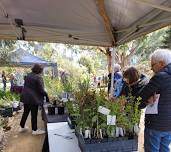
(117, 76)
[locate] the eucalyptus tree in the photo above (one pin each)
(167, 39)
(6, 47)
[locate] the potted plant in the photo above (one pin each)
(6, 108)
(93, 130)
(8, 103)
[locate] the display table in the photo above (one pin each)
(61, 138)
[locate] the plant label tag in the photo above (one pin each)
(71, 99)
(111, 120)
(65, 95)
(103, 110)
(56, 110)
(69, 120)
(64, 99)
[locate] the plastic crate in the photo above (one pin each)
(120, 144)
(7, 112)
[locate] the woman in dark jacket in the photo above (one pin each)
(133, 82)
(32, 96)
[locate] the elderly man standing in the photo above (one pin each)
(117, 76)
(157, 134)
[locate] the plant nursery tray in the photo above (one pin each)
(120, 144)
(6, 112)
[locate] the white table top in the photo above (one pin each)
(62, 138)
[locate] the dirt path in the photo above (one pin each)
(24, 142)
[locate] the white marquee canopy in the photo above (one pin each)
(89, 22)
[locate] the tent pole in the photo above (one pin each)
(107, 22)
(112, 78)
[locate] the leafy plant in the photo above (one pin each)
(133, 113)
(86, 107)
(7, 98)
(68, 87)
(53, 87)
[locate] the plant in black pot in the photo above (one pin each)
(73, 113)
(60, 104)
(51, 110)
(7, 110)
(51, 107)
(133, 115)
(108, 122)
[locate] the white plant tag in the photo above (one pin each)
(15, 104)
(71, 99)
(101, 135)
(136, 129)
(64, 99)
(111, 120)
(117, 132)
(103, 110)
(121, 132)
(87, 134)
(69, 120)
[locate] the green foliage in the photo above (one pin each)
(88, 63)
(85, 98)
(6, 46)
(68, 56)
(132, 111)
(85, 109)
(7, 98)
(53, 86)
(167, 39)
(151, 42)
(68, 86)
(140, 48)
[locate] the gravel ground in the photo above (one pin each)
(22, 142)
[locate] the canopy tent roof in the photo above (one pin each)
(24, 58)
(89, 22)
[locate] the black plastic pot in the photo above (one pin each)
(7, 112)
(61, 110)
(121, 144)
(51, 110)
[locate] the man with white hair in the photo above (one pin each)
(157, 134)
(117, 75)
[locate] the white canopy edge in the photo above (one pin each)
(89, 22)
